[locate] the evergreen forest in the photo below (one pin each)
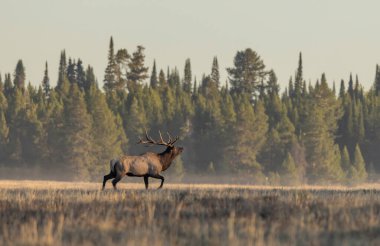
(245, 128)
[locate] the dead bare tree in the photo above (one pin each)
(146, 165)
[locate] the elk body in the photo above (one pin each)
(145, 165)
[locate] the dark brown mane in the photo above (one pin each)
(166, 158)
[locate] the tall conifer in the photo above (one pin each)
(78, 147)
(215, 75)
(19, 75)
(46, 81)
(153, 77)
(248, 72)
(187, 76)
(109, 74)
(377, 80)
(137, 70)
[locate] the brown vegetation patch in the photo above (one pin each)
(79, 213)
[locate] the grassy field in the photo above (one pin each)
(64, 213)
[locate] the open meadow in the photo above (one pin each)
(65, 213)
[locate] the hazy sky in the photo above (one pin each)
(335, 36)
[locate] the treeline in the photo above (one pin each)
(244, 127)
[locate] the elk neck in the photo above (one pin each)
(166, 158)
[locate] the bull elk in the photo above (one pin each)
(146, 165)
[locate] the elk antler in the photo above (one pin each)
(148, 140)
(170, 139)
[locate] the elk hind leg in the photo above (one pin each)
(107, 177)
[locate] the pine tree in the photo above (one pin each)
(357, 87)
(80, 75)
(107, 136)
(345, 161)
(46, 81)
(290, 175)
(31, 92)
(260, 126)
(19, 75)
(228, 111)
(360, 173)
(8, 87)
(187, 77)
(247, 138)
(3, 102)
(174, 78)
(135, 120)
(298, 152)
(372, 124)
(16, 102)
(279, 138)
(195, 87)
(54, 125)
(215, 76)
(248, 72)
(342, 90)
(62, 67)
(122, 70)
(168, 101)
(40, 101)
(304, 89)
(272, 155)
(376, 85)
(4, 133)
(156, 114)
(153, 77)
(320, 124)
(273, 87)
(71, 71)
(109, 74)
(334, 89)
(17, 117)
(291, 88)
(31, 135)
(351, 86)
(63, 84)
(359, 129)
(78, 140)
(122, 138)
(228, 116)
(137, 70)
(162, 80)
(209, 87)
(209, 125)
(274, 109)
(90, 79)
(298, 80)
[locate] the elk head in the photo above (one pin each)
(171, 150)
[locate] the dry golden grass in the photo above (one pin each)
(66, 213)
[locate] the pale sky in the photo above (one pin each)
(335, 36)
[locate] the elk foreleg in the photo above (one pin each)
(146, 181)
(157, 176)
